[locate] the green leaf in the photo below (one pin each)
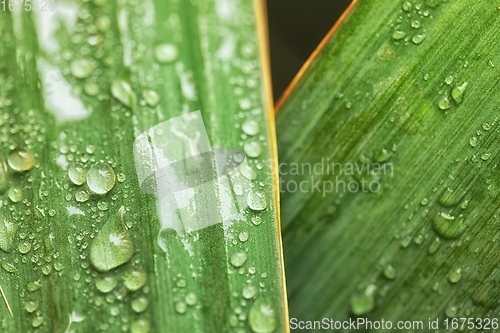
(409, 90)
(122, 208)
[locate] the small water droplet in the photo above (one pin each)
(252, 148)
(390, 272)
(31, 306)
(24, 247)
(21, 159)
(434, 246)
(451, 312)
(455, 276)
(191, 299)
(135, 279)
(457, 93)
(77, 174)
(256, 220)
(238, 259)
(485, 156)
(151, 97)
(7, 233)
(122, 91)
(418, 39)
(107, 284)
(101, 178)
(139, 305)
(15, 194)
(257, 200)
(362, 303)
(451, 197)
(250, 127)
(444, 103)
(243, 236)
(249, 291)
(140, 326)
(82, 196)
(81, 68)
(166, 53)
(180, 307)
(448, 226)
(398, 35)
(407, 6)
(416, 24)
(112, 247)
(449, 79)
(473, 141)
(37, 321)
(424, 201)
(262, 317)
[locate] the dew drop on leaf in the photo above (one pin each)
(166, 53)
(262, 317)
(101, 178)
(77, 174)
(21, 159)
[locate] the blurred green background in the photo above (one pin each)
(296, 27)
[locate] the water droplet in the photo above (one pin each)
(180, 307)
(383, 156)
(77, 174)
(33, 286)
(252, 148)
(135, 279)
(82, 196)
(473, 141)
(21, 159)
(122, 91)
(434, 246)
(262, 317)
(450, 197)
(120, 177)
(91, 88)
(245, 104)
(166, 53)
(238, 259)
(407, 6)
(37, 321)
(191, 299)
(7, 233)
(485, 156)
(107, 284)
(418, 39)
(250, 127)
(398, 35)
(139, 304)
(101, 178)
(4, 175)
(247, 172)
(112, 247)
(151, 97)
(486, 126)
(256, 220)
(416, 24)
(140, 326)
(444, 103)
(457, 93)
(362, 303)
(451, 312)
(449, 79)
(8, 267)
(243, 236)
(455, 276)
(249, 291)
(424, 201)
(390, 272)
(102, 205)
(257, 200)
(448, 226)
(81, 68)
(31, 306)
(24, 247)
(15, 194)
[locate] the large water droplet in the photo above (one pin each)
(448, 226)
(249, 291)
(101, 178)
(21, 159)
(250, 127)
(166, 53)
(134, 280)
(122, 91)
(455, 276)
(15, 194)
(180, 307)
(362, 303)
(112, 247)
(107, 284)
(31, 306)
(81, 68)
(444, 103)
(191, 299)
(262, 317)
(77, 174)
(238, 259)
(257, 200)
